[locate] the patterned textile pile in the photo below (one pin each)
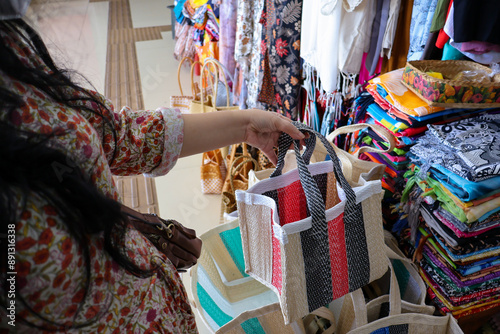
(454, 182)
(390, 104)
(442, 187)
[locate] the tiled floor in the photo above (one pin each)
(77, 33)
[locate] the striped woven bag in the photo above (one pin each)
(226, 298)
(308, 234)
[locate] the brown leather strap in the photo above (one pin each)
(142, 217)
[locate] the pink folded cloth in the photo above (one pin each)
(478, 47)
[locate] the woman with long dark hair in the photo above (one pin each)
(78, 266)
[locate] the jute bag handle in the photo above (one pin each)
(352, 210)
(213, 62)
(244, 160)
(351, 165)
(219, 68)
(193, 86)
(193, 66)
(310, 325)
(179, 72)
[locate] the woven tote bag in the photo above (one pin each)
(225, 297)
(210, 73)
(213, 172)
(183, 102)
(308, 234)
(402, 285)
(398, 317)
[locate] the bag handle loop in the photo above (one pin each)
(179, 72)
(355, 127)
(218, 69)
(242, 160)
(193, 87)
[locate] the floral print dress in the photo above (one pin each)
(280, 56)
(51, 273)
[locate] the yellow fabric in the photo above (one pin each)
(401, 97)
(197, 3)
(455, 199)
(435, 75)
(475, 212)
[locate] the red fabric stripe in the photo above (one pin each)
(277, 277)
(292, 203)
(338, 257)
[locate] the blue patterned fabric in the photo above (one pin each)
(421, 20)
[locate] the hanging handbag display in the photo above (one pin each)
(238, 180)
(308, 234)
(210, 73)
(183, 102)
(213, 172)
(170, 237)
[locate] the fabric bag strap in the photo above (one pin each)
(361, 126)
(360, 308)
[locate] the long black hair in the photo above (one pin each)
(27, 164)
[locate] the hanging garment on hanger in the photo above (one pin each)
(284, 54)
(355, 30)
(320, 39)
(228, 14)
(247, 51)
(493, 56)
(377, 36)
(421, 20)
(390, 30)
(439, 18)
(482, 15)
(443, 37)
(401, 39)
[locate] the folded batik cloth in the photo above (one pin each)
(390, 122)
(476, 142)
(487, 238)
(464, 189)
(458, 312)
(458, 279)
(455, 294)
(467, 215)
(401, 97)
(441, 117)
(481, 275)
(403, 142)
(468, 252)
(467, 230)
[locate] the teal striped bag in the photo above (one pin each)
(226, 298)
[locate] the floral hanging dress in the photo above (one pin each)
(280, 62)
(51, 273)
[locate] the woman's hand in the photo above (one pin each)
(264, 129)
(259, 128)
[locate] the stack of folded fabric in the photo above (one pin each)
(392, 105)
(454, 183)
